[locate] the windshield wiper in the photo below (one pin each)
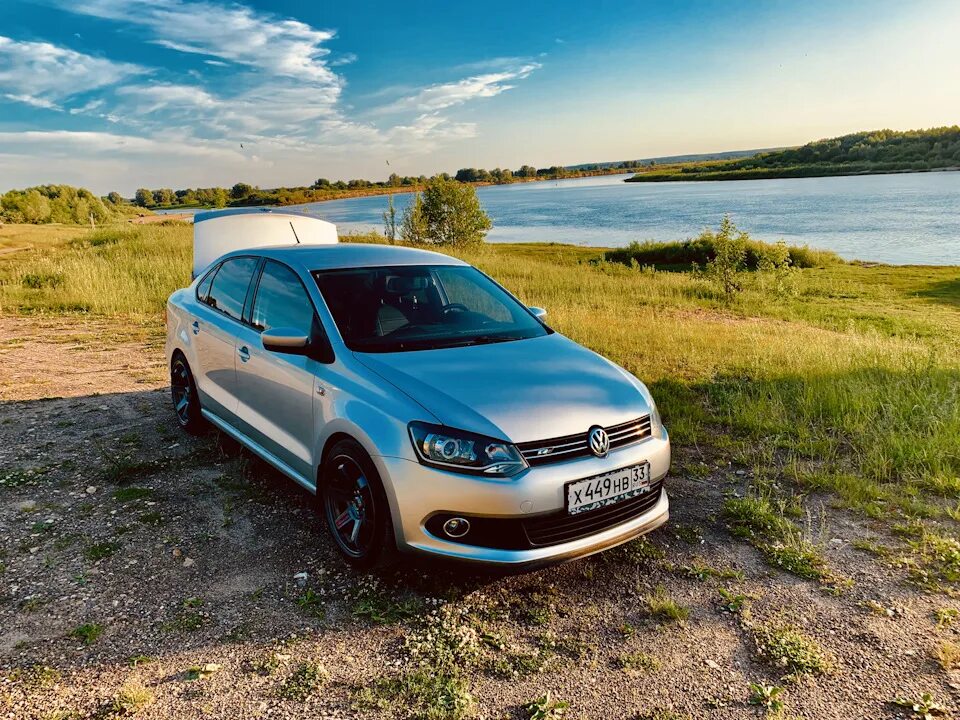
(480, 340)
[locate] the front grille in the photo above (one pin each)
(545, 530)
(543, 452)
(561, 527)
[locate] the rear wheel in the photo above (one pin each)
(183, 392)
(355, 505)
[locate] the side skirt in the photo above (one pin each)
(260, 451)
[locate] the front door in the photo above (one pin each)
(276, 390)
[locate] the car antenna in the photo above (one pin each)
(294, 232)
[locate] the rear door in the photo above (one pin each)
(277, 390)
(219, 317)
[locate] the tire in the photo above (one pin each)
(355, 506)
(186, 401)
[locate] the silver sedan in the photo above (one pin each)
(426, 407)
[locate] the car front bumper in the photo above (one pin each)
(417, 492)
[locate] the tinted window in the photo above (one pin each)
(282, 301)
(229, 288)
(392, 309)
(203, 287)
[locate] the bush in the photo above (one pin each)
(445, 213)
(55, 204)
(701, 250)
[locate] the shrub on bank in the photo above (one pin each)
(702, 250)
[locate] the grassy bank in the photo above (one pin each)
(848, 381)
(870, 152)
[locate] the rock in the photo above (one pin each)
(189, 562)
(177, 552)
(301, 578)
(712, 665)
(91, 489)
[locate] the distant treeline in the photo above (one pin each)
(61, 204)
(243, 194)
(879, 151)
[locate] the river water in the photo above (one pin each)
(910, 218)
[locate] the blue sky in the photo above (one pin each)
(116, 94)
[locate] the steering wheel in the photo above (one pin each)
(454, 307)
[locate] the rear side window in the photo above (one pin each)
(229, 287)
(203, 287)
(282, 301)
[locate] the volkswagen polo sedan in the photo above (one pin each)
(427, 408)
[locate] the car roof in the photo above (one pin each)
(350, 255)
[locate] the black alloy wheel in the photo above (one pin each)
(183, 391)
(355, 505)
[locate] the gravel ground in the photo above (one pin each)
(144, 572)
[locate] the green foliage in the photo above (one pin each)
(143, 198)
(791, 651)
(923, 708)
(88, 633)
(766, 696)
(729, 259)
(55, 204)
(877, 151)
(447, 212)
(306, 680)
(421, 694)
(757, 516)
(663, 607)
(637, 662)
(546, 708)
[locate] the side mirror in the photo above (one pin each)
(285, 340)
(538, 313)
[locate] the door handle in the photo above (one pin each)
(196, 327)
(244, 353)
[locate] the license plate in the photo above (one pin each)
(607, 489)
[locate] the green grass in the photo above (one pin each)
(664, 608)
(306, 680)
(791, 651)
(420, 694)
(88, 633)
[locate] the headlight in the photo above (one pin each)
(465, 452)
(656, 424)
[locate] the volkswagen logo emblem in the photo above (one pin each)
(599, 441)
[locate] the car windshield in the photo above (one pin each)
(422, 307)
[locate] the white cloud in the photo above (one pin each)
(235, 33)
(44, 75)
(444, 95)
(88, 108)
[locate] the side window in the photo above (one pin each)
(282, 300)
(203, 287)
(229, 287)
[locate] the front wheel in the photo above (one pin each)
(355, 505)
(183, 392)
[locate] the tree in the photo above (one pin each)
(143, 198)
(240, 191)
(527, 171)
(730, 254)
(164, 196)
(447, 212)
(413, 223)
(115, 197)
(320, 183)
(390, 221)
(219, 197)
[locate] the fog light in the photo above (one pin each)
(456, 527)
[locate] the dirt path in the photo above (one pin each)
(146, 572)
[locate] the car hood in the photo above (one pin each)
(524, 390)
